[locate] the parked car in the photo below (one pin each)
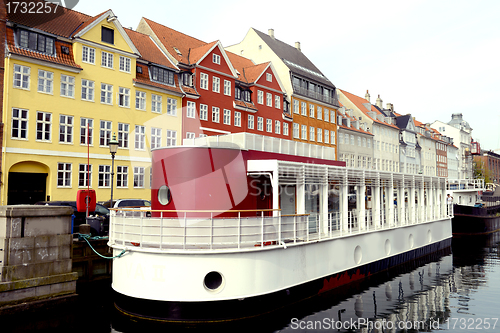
(127, 203)
(81, 217)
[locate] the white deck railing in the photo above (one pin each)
(133, 229)
(465, 184)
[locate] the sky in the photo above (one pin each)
(428, 58)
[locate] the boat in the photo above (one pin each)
(476, 208)
(243, 224)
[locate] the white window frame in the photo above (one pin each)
(269, 125)
(104, 174)
(124, 97)
(269, 99)
(226, 120)
(327, 136)
(83, 131)
(303, 108)
(107, 59)
(22, 124)
(216, 59)
(296, 131)
(139, 174)
(122, 176)
(191, 109)
(204, 81)
(84, 175)
(260, 124)
(260, 97)
(269, 77)
(157, 103)
(311, 111)
(203, 112)
(312, 133)
(296, 107)
(171, 138)
(215, 114)
(303, 132)
(215, 84)
(123, 135)
(155, 137)
(45, 130)
(66, 128)
(105, 127)
(237, 119)
(140, 137)
(285, 129)
(227, 88)
(22, 77)
(107, 93)
(125, 64)
(172, 107)
(88, 55)
(277, 101)
(319, 134)
(277, 127)
(251, 124)
(140, 100)
(87, 90)
(45, 82)
(67, 86)
(64, 174)
(319, 112)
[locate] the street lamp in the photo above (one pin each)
(113, 147)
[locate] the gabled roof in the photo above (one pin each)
(294, 59)
(177, 44)
(144, 78)
(63, 23)
(241, 64)
(149, 50)
(59, 59)
(362, 104)
(352, 119)
(200, 53)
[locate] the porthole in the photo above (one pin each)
(411, 241)
(387, 247)
(213, 281)
(358, 254)
(429, 236)
(164, 195)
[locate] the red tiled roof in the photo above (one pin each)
(197, 53)
(63, 23)
(243, 104)
(171, 38)
(148, 49)
(60, 58)
(190, 90)
(240, 64)
(254, 72)
(352, 119)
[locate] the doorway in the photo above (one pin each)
(26, 188)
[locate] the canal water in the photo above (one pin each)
(454, 291)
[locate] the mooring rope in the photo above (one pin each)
(87, 237)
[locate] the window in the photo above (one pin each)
(203, 112)
(191, 110)
(104, 175)
(277, 102)
(327, 113)
(311, 110)
(296, 106)
(319, 135)
(215, 114)
(227, 117)
(277, 127)
(161, 75)
(359, 141)
(104, 133)
(227, 88)
(124, 97)
(67, 86)
(106, 93)
(190, 135)
(140, 100)
(43, 125)
(140, 137)
(260, 97)
(87, 90)
(155, 137)
(319, 112)
(250, 121)
(296, 130)
(285, 129)
(171, 138)
(85, 175)
(216, 59)
(86, 131)
(216, 84)
(156, 104)
(125, 64)
(332, 116)
(303, 108)
(204, 81)
(246, 95)
(327, 136)
(237, 118)
(65, 129)
(237, 93)
(107, 35)
(312, 132)
(138, 177)
(364, 142)
(332, 137)
(269, 125)
(352, 140)
(260, 123)
(63, 174)
(36, 42)
(19, 124)
(123, 132)
(269, 99)
(341, 138)
(107, 59)
(304, 132)
(269, 77)
(121, 176)
(45, 81)
(21, 77)
(88, 55)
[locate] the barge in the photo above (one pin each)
(243, 224)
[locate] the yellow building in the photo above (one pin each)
(69, 87)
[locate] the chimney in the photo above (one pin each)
(367, 96)
(379, 102)
(297, 46)
(390, 107)
(270, 32)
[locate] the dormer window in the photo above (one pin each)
(108, 35)
(187, 79)
(246, 95)
(216, 59)
(237, 93)
(161, 75)
(36, 42)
